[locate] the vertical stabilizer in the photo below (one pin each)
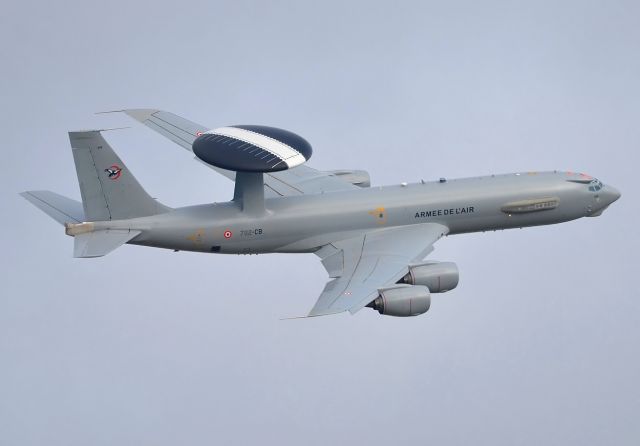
(109, 190)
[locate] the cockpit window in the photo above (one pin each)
(595, 185)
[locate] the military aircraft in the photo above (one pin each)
(371, 240)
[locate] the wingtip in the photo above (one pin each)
(139, 114)
(308, 316)
(29, 194)
(324, 313)
(290, 318)
(80, 133)
(108, 111)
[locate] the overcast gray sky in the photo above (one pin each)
(539, 343)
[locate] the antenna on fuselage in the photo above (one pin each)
(251, 151)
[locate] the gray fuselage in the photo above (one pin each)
(304, 223)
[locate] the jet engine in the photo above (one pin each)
(437, 276)
(358, 178)
(402, 300)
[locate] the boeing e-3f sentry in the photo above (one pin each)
(371, 240)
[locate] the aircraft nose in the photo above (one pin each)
(611, 194)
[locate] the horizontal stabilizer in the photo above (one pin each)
(61, 209)
(100, 243)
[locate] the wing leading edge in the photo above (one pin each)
(362, 265)
(297, 181)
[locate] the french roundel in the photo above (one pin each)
(252, 148)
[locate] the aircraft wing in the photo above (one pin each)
(362, 265)
(297, 181)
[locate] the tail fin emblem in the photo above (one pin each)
(113, 172)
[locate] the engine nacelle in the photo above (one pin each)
(358, 178)
(437, 276)
(402, 300)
